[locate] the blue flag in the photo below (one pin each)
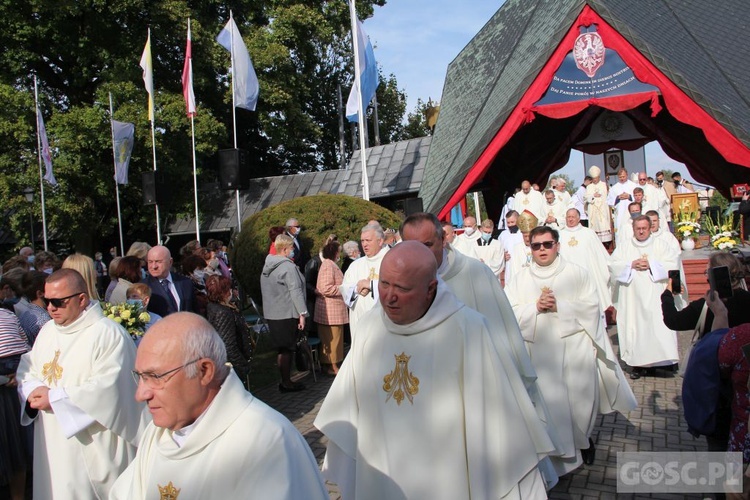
(368, 75)
(123, 134)
(245, 82)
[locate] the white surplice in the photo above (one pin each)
(556, 210)
(492, 254)
(239, 448)
(429, 410)
(579, 375)
(581, 246)
(622, 215)
(509, 240)
(520, 258)
(600, 215)
(467, 244)
(90, 437)
(644, 338)
(363, 268)
(563, 197)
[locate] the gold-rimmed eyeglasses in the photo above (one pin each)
(157, 381)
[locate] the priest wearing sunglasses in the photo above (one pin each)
(557, 307)
(78, 392)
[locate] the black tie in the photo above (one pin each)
(170, 297)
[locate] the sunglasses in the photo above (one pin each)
(546, 244)
(61, 302)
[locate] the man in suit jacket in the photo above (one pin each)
(169, 292)
(301, 254)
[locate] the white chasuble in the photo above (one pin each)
(644, 338)
(491, 254)
(600, 215)
(467, 244)
(622, 215)
(239, 448)
(89, 439)
(533, 201)
(364, 268)
(430, 410)
(578, 373)
(582, 247)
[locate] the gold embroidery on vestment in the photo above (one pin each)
(400, 382)
(573, 242)
(373, 275)
(168, 492)
(525, 201)
(52, 371)
(546, 289)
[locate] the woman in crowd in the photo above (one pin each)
(351, 253)
(283, 290)
(331, 313)
(273, 232)
(128, 272)
(229, 323)
(112, 278)
(14, 455)
(85, 267)
(194, 267)
(311, 280)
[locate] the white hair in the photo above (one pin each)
(202, 341)
(378, 230)
(349, 247)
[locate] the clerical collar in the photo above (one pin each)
(180, 436)
(443, 265)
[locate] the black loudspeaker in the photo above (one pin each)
(413, 206)
(149, 188)
(155, 188)
(233, 169)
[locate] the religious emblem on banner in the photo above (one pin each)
(52, 371)
(588, 52)
(168, 492)
(400, 382)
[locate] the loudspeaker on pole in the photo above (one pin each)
(233, 169)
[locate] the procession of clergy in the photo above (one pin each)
(454, 387)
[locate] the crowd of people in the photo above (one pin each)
(466, 363)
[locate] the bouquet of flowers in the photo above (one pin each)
(723, 234)
(131, 316)
(686, 225)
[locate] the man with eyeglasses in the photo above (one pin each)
(79, 393)
(210, 438)
(639, 270)
(558, 310)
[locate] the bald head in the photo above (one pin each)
(159, 262)
(526, 187)
(408, 282)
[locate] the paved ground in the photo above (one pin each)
(656, 425)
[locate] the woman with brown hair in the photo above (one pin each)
(331, 313)
(128, 272)
(229, 323)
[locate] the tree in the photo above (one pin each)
(391, 108)
(416, 121)
(83, 51)
(570, 185)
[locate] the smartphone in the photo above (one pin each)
(674, 275)
(720, 281)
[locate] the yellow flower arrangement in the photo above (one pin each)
(686, 224)
(723, 235)
(131, 316)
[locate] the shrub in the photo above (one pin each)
(319, 216)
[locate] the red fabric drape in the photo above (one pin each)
(615, 103)
(676, 101)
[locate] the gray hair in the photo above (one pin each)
(377, 228)
(349, 247)
(202, 341)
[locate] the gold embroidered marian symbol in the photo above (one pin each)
(373, 275)
(525, 201)
(546, 289)
(573, 242)
(168, 492)
(400, 382)
(52, 371)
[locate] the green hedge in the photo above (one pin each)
(319, 216)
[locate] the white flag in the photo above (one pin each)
(245, 81)
(148, 75)
(368, 75)
(123, 135)
(46, 157)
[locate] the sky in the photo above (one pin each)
(417, 39)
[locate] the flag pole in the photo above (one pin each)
(39, 154)
(360, 111)
(192, 132)
(117, 185)
(234, 122)
(151, 107)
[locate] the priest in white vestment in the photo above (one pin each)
(557, 307)
(554, 210)
(531, 200)
(77, 389)
(466, 242)
(520, 254)
(510, 238)
(660, 231)
(490, 251)
(619, 197)
(210, 439)
(600, 215)
(558, 185)
(360, 286)
(578, 201)
(638, 269)
(582, 247)
(424, 406)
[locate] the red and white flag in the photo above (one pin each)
(187, 76)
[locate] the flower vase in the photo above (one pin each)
(688, 244)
